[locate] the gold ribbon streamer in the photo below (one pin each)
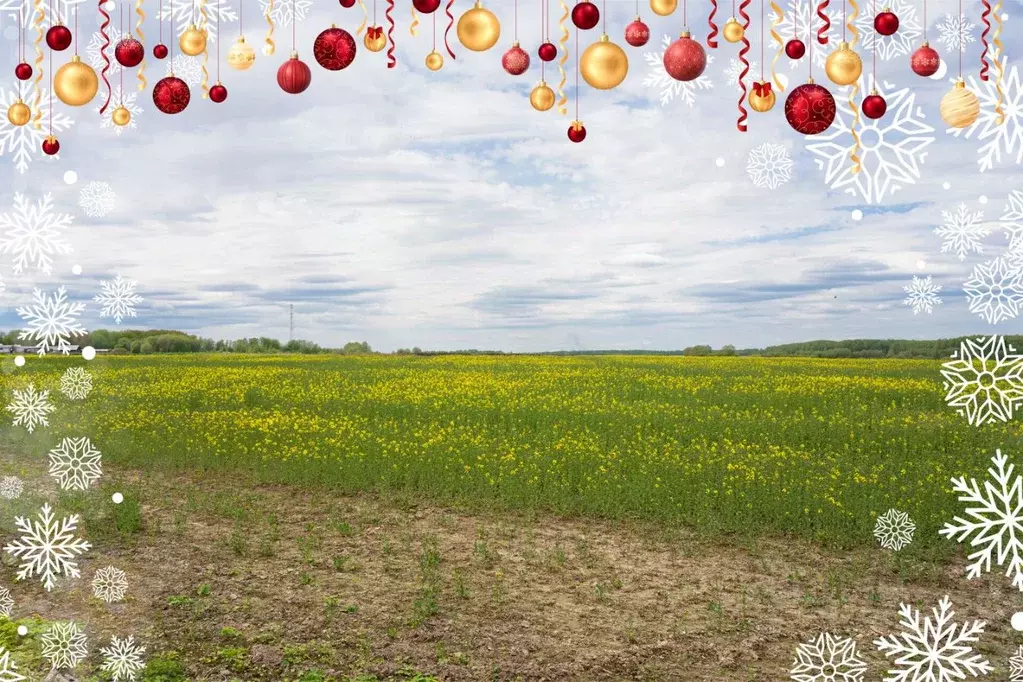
(37, 90)
(142, 39)
(997, 42)
(779, 16)
(205, 50)
(563, 42)
(850, 26)
(270, 47)
(415, 23)
(365, 18)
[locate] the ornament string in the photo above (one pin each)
(205, 84)
(763, 43)
(120, 27)
(241, 19)
(516, 22)
(434, 31)
(142, 39)
(984, 18)
(391, 61)
(543, 30)
(37, 97)
(21, 45)
(960, 40)
(850, 26)
(170, 46)
(577, 74)
(451, 23)
(49, 111)
(873, 59)
(563, 42)
(103, 52)
(365, 18)
(712, 36)
(779, 16)
(685, 17)
(743, 51)
(294, 28)
(822, 32)
(414, 28)
(269, 47)
(217, 25)
(999, 62)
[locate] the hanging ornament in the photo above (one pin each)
(663, 8)
(542, 97)
(478, 29)
(733, 30)
(577, 131)
(516, 60)
(294, 75)
(51, 146)
(604, 65)
(874, 105)
(23, 71)
(637, 33)
(585, 15)
(58, 37)
(886, 23)
(129, 52)
(241, 56)
(685, 59)
(347, 4)
(19, 114)
(334, 49)
(218, 93)
(171, 95)
(193, 41)
(843, 66)
(810, 109)
(925, 61)
(160, 51)
(960, 107)
(434, 61)
(75, 83)
(548, 52)
(120, 116)
(795, 49)
(374, 40)
(426, 6)
(762, 97)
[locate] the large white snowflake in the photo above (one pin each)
(128, 100)
(109, 584)
(47, 548)
(123, 658)
(76, 383)
(996, 139)
(731, 74)
(30, 408)
(894, 529)
(93, 51)
(97, 198)
(186, 13)
(955, 32)
(769, 165)
(900, 44)
(23, 144)
(33, 233)
(52, 321)
(995, 290)
(11, 487)
(64, 645)
(892, 149)
(669, 87)
(75, 463)
(935, 651)
(828, 658)
(984, 380)
(801, 21)
(1016, 666)
(8, 670)
(118, 299)
(922, 295)
(188, 69)
(284, 12)
(6, 602)
(1012, 222)
(962, 231)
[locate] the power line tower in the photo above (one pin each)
(291, 322)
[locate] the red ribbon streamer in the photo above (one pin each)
(375, 31)
(741, 123)
(822, 32)
(451, 22)
(391, 61)
(103, 52)
(713, 27)
(762, 89)
(984, 66)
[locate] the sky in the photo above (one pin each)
(405, 207)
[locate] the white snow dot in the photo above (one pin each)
(77, 269)
(720, 162)
(110, 5)
(1017, 621)
(118, 498)
(70, 177)
(88, 352)
(857, 214)
(921, 264)
(22, 630)
(20, 361)
(946, 185)
(1005, 17)
(982, 199)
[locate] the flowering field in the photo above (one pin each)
(813, 447)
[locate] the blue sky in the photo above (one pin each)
(406, 207)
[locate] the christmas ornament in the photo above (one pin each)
(874, 105)
(795, 49)
(637, 33)
(426, 6)
(374, 40)
(478, 29)
(58, 37)
(810, 109)
(193, 41)
(843, 66)
(347, 4)
(171, 95)
(685, 59)
(241, 56)
(542, 97)
(120, 116)
(19, 113)
(663, 8)
(434, 61)
(548, 52)
(603, 65)
(294, 76)
(334, 48)
(886, 23)
(23, 71)
(577, 131)
(585, 15)
(160, 51)
(51, 146)
(516, 60)
(75, 83)
(218, 93)
(762, 97)
(959, 107)
(129, 52)
(733, 30)
(925, 61)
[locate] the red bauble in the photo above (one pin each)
(577, 132)
(129, 52)
(334, 49)
(810, 109)
(171, 95)
(347, 4)
(58, 37)
(685, 59)
(160, 51)
(23, 71)
(548, 52)
(294, 76)
(925, 61)
(218, 93)
(515, 61)
(585, 15)
(874, 106)
(637, 33)
(51, 146)
(886, 23)
(795, 49)
(426, 6)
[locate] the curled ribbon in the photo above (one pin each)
(365, 19)
(142, 39)
(451, 22)
(415, 23)
(37, 90)
(269, 46)
(743, 51)
(711, 42)
(984, 66)
(205, 50)
(996, 40)
(779, 16)
(391, 61)
(103, 52)
(822, 32)
(854, 155)
(563, 42)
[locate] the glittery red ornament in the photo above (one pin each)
(886, 23)
(294, 76)
(548, 52)
(577, 131)
(874, 106)
(426, 6)
(685, 59)
(810, 109)
(51, 146)
(925, 61)
(637, 33)
(129, 52)
(218, 93)
(585, 15)
(160, 51)
(23, 71)
(334, 49)
(515, 61)
(171, 95)
(795, 49)
(347, 4)
(58, 37)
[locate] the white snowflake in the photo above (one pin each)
(996, 139)
(769, 165)
(62, 10)
(962, 231)
(94, 53)
(283, 12)
(1016, 666)
(8, 670)
(934, 652)
(118, 299)
(801, 21)
(123, 658)
(669, 87)
(955, 32)
(76, 383)
(891, 151)
(1012, 223)
(6, 602)
(731, 74)
(109, 584)
(829, 658)
(984, 380)
(64, 645)
(75, 463)
(188, 69)
(33, 233)
(47, 549)
(894, 529)
(900, 44)
(11, 487)
(97, 199)
(30, 408)
(187, 13)
(995, 290)
(129, 101)
(24, 143)
(52, 321)
(923, 295)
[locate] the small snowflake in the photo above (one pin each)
(128, 100)
(995, 290)
(962, 231)
(75, 463)
(123, 659)
(6, 602)
(283, 13)
(902, 43)
(109, 584)
(8, 670)
(1016, 666)
(923, 295)
(33, 233)
(30, 408)
(118, 298)
(46, 548)
(997, 136)
(955, 32)
(96, 199)
(11, 487)
(94, 51)
(76, 383)
(188, 69)
(25, 143)
(1012, 224)
(934, 652)
(52, 321)
(894, 530)
(984, 380)
(769, 165)
(735, 67)
(189, 13)
(671, 88)
(828, 659)
(800, 21)
(64, 645)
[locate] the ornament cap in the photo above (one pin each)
(241, 39)
(925, 44)
(685, 34)
(605, 38)
(731, 20)
(515, 44)
(809, 81)
(873, 91)
(294, 54)
(577, 124)
(886, 10)
(637, 18)
(51, 138)
(960, 85)
(478, 5)
(542, 84)
(843, 45)
(76, 59)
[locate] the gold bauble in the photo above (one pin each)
(121, 116)
(763, 102)
(733, 31)
(479, 29)
(241, 55)
(542, 97)
(377, 41)
(603, 65)
(663, 7)
(434, 61)
(960, 107)
(193, 41)
(844, 67)
(75, 83)
(19, 113)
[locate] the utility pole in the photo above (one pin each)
(291, 322)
